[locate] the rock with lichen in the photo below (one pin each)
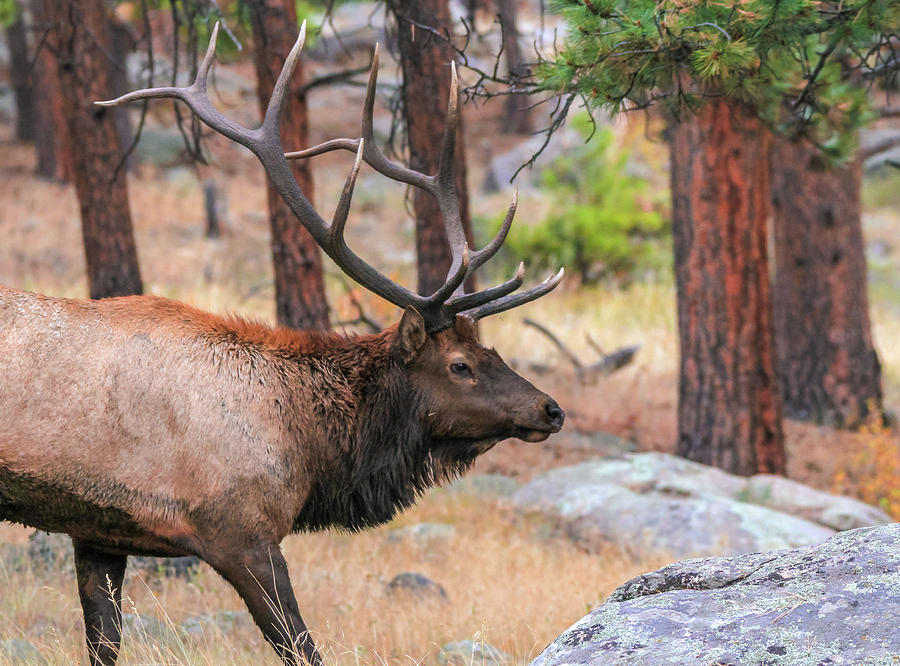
(833, 603)
(652, 504)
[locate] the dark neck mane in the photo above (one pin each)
(391, 458)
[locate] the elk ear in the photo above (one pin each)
(411, 334)
(466, 328)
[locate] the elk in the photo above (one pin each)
(140, 425)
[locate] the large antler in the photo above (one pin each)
(440, 308)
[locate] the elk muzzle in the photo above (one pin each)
(540, 421)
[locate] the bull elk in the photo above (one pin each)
(140, 425)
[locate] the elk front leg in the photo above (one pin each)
(100, 577)
(261, 578)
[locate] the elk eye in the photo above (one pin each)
(460, 368)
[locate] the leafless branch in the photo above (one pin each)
(334, 77)
(879, 147)
(565, 351)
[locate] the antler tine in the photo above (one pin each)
(195, 97)
(339, 221)
(445, 186)
(515, 300)
(203, 70)
(445, 174)
(373, 155)
(469, 301)
(326, 147)
(276, 101)
(455, 278)
(349, 261)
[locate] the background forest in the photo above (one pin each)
(721, 182)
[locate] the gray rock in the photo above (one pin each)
(497, 485)
(14, 556)
(422, 532)
(416, 584)
(834, 511)
(140, 626)
(19, 651)
(167, 567)
(834, 603)
(472, 653)
(503, 167)
(160, 147)
(653, 503)
(198, 625)
(50, 551)
(229, 620)
(222, 621)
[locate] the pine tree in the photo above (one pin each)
(726, 74)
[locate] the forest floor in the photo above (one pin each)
(510, 581)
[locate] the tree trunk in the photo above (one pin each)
(729, 410)
(51, 134)
(20, 66)
(122, 43)
(425, 59)
(518, 115)
(299, 283)
(827, 366)
(80, 39)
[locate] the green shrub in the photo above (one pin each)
(605, 222)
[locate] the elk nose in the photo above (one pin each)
(554, 413)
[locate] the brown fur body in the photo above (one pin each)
(140, 425)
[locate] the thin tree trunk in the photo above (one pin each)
(729, 410)
(518, 115)
(827, 365)
(51, 134)
(20, 66)
(299, 283)
(425, 59)
(80, 38)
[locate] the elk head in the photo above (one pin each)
(472, 394)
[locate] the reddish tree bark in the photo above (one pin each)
(299, 283)
(425, 59)
(827, 365)
(20, 75)
(51, 134)
(80, 40)
(729, 410)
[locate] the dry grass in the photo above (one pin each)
(510, 581)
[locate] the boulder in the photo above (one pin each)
(834, 511)
(833, 603)
(416, 585)
(654, 503)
